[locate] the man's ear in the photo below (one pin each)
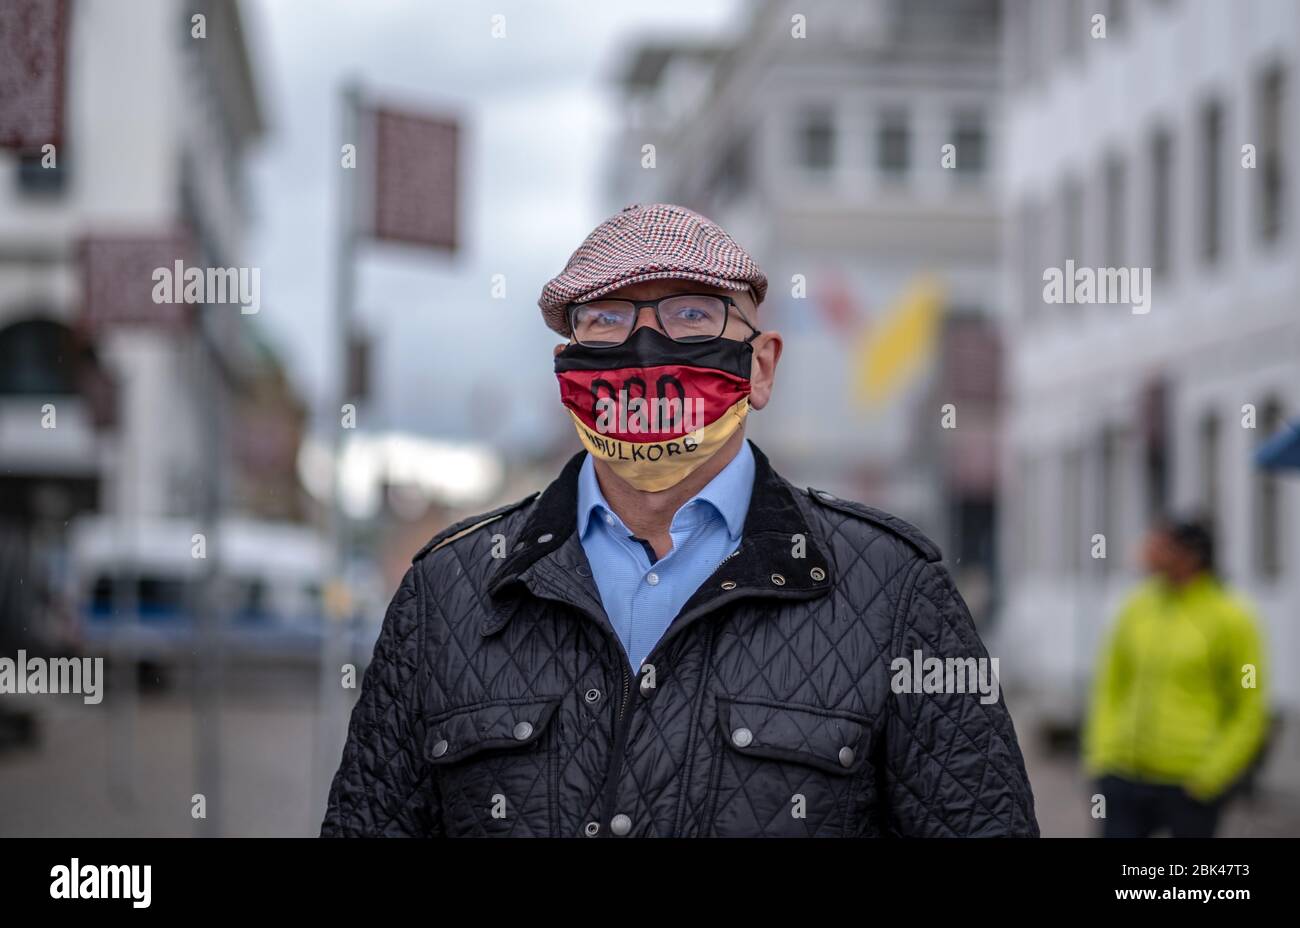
(762, 369)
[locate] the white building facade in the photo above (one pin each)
(815, 136)
(1127, 151)
(155, 125)
(132, 413)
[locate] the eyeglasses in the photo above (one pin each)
(683, 317)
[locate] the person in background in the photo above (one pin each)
(1178, 707)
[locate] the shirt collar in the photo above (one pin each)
(728, 492)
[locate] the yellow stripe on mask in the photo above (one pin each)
(657, 465)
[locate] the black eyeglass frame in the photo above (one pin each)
(637, 305)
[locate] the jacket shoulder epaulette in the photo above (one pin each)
(890, 523)
(473, 523)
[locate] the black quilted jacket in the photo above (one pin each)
(499, 700)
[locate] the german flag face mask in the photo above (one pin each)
(654, 409)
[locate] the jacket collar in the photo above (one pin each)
(779, 557)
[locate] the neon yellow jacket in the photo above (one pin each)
(1175, 699)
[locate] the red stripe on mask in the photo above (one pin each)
(698, 397)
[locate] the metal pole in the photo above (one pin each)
(330, 696)
(125, 612)
(207, 683)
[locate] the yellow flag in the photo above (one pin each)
(890, 352)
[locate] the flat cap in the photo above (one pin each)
(649, 242)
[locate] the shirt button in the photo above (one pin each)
(609, 519)
(652, 578)
(620, 824)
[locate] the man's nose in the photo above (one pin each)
(645, 315)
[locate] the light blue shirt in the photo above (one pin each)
(643, 596)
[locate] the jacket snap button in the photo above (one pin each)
(818, 574)
(824, 495)
(523, 730)
(583, 570)
(591, 829)
(728, 584)
(846, 757)
(440, 748)
(620, 824)
(592, 694)
(742, 737)
(543, 539)
(778, 579)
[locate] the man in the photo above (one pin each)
(1178, 706)
(671, 640)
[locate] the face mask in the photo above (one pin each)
(654, 409)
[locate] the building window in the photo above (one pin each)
(1114, 181)
(1161, 202)
(1111, 496)
(1155, 446)
(1016, 39)
(892, 143)
(731, 175)
(817, 140)
(972, 145)
(1212, 211)
(1209, 448)
(1029, 230)
(1269, 162)
(1071, 220)
(1076, 21)
(37, 358)
(36, 179)
(1032, 537)
(1074, 540)
(1117, 19)
(1268, 500)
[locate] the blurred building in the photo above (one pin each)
(110, 401)
(1127, 151)
(824, 156)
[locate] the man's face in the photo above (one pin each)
(767, 346)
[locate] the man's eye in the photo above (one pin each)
(608, 319)
(690, 315)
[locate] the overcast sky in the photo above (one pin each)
(538, 107)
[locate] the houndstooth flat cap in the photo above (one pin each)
(649, 242)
